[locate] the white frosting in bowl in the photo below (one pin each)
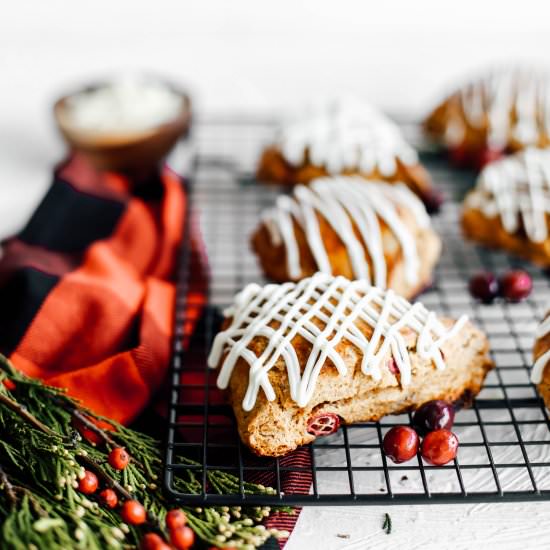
(122, 107)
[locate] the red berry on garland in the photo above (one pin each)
(133, 512)
(182, 538)
(119, 458)
(484, 287)
(400, 444)
(152, 541)
(516, 285)
(88, 484)
(92, 437)
(9, 384)
(175, 518)
(109, 498)
(439, 447)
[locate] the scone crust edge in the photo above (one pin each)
(490, 232)
(274, 168)
(275, 428)
(273, 259)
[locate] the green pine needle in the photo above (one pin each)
(43, 456)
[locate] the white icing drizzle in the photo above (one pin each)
(516, 189)
(539, 365)
(513, 101)
(345, 202)
(346, 134)
(278, 313)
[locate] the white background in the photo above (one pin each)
(241, 55)
(252, 56)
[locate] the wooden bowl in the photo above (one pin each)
(136, 153)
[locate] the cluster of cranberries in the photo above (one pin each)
(181, 535)
(132, 512)
(432, 421)
(514, 286)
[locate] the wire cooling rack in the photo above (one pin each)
(504, 436)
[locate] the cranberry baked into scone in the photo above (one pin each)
(540, 374)
(347, 137)
(299, 358)
(340, 226)
(503, 111)
(510, 206)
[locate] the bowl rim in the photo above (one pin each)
(90, 139)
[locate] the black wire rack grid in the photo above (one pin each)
(504, 436)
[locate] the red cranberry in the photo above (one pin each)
(488, 155)
(433, 415)
(323, 424)
(459, 156)
(392, 366)
(516, 285)
(433, 200)
(484, 287)
(400, 444)
(439, 447)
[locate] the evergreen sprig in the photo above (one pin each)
(48, 441)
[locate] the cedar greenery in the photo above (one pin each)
(43, 456)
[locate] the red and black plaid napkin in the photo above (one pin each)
(88, 293)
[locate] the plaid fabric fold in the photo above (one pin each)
(87, 287)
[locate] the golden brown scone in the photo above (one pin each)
(290, 376)
(346, 138)
(540, 374)
(500, 112)
(341, 226)
(510, 206)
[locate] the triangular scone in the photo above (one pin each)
(377, 232)
(503, 111)
(510, 206)
(347, 137)
(540, 374)
(297, 359)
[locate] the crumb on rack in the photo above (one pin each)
(387, 523)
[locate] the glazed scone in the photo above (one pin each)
(510, 206)
(540, 374)
(347, 137)
(505, 110)
(299, 358)
(340, 226)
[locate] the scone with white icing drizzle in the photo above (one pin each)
(346, 137)
(510, 206)
(505, 110)
(299, 358)
(540, 373)
(340, 226)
